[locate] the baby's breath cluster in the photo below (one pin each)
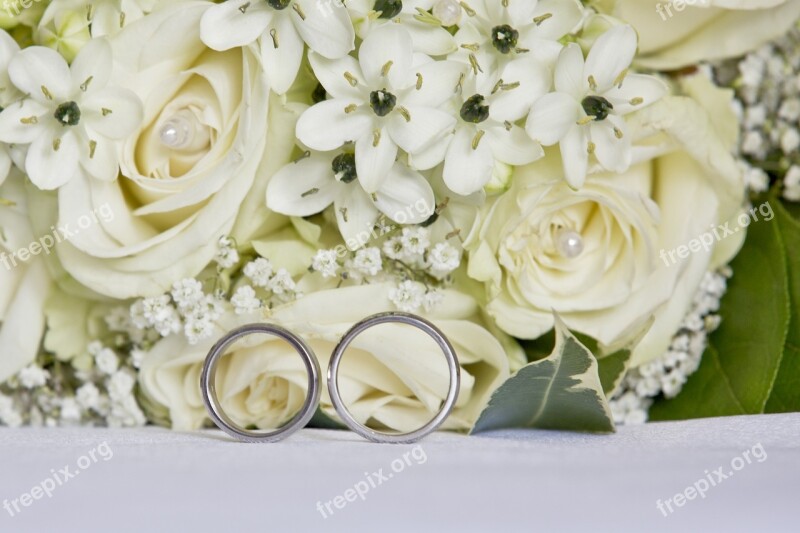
(409, 258)
(98, 389)
(767, 85)
(667, 374)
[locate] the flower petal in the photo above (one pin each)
(92, 67)
(102, 162)
(426, 125)
(12, 128)
(355, 214)
(289, 191)
(431, 40)
(635, 86)
(566, 15)
(325, 126)
(5, 163)
(38, 67)
(552, 117)
(574, 156)
(325, 27)
(468, 169)
(431, 155)
(231, 24)
(281, 64)
(612, 152)
(48, 168)
(373, 162)
(533, 81)
(439, 82)
(610, 55)
(389, 43)
(569, 72)
(406, 197)
(513, 146)
(126, 112)
(331, 74)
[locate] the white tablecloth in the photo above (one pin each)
(520, 480)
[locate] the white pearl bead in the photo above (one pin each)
(183, 132)
(177, 132)
(569, 243)
(448, 11)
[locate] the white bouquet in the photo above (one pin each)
(560, 186)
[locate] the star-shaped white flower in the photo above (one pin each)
(70, 117)
(8, 94)
(585, 114)
(311, 184)
(387, 99)
(427, 33)
(110, 16)
(486, 132)
(505, 31)
(281, 26)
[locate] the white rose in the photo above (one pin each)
(596, 256)
(24, 282)
(671, 38)
(386, 375)
(185, 172)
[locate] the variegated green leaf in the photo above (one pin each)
(561, 391)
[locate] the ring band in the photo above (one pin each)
(209, 388)
(452, 363)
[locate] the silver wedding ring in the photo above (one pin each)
(209, 389)
(452, 364)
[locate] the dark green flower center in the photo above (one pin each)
(68, 114)
(389, 8)
(344, 167)
(475, 109)
(597, 107)
(319, 94)
(279, 4)
(382, 102)
(505, 38)
(431, 219)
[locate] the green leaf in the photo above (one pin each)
(751, 364)
(785, 395)
(562, 391)
(322, 421)
(612, 368)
